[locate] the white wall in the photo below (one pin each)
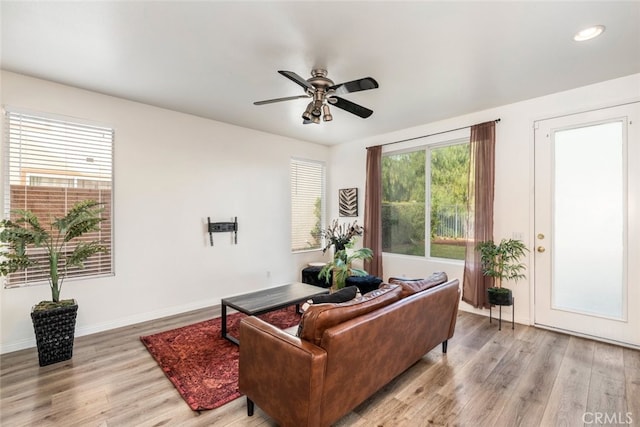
(513, 206)
(172, 171)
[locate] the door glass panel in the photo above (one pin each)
(588, 209)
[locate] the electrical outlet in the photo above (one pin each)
(517, 235)
(268, 274)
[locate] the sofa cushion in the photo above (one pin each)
(320, 317)
(411, 286)
(342, 295)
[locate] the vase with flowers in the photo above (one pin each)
(342, 238)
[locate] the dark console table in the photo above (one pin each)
(364, 283)
(310, 276)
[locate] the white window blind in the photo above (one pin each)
(50, 164)
(307, 204)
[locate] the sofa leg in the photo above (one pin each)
(249, 407)
(444, 346)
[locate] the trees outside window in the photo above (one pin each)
(412, 205)
(403, 203)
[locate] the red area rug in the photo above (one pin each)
(201, 364)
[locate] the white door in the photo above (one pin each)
(587, 223)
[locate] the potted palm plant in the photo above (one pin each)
(53, 321)
(502, 262)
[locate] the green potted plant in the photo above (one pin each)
(342, 238)
(53, 321)
(341, 267)
(502, 262)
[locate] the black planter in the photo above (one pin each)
(55, 330)
(500, 296)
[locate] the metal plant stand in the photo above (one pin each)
(513, 314)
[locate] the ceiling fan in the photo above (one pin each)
(324, 93)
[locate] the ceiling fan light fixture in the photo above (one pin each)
(323, 91)
(317, 107)
(326, 114)
(589, 33)
(307, 113)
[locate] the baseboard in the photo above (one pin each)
(119, 323)
(145, 317)
(506, 314)
(18, 345)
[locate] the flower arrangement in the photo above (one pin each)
(340, 236)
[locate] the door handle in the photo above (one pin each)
(540, 249)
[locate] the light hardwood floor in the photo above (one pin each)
(526, 377)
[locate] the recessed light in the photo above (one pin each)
(589, 33)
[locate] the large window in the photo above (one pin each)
(403, 203)
(49, 164)
(307, 204)
(425, 200)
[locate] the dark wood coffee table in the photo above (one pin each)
(266, 300)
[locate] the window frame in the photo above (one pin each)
(323, 184)
(428, 144)
(105, 266)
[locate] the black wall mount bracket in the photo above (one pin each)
(223, 227)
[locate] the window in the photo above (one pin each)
(403, 203)
(307, 204)
(406, 214)
(50, 164)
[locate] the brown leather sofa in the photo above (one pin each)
(344, 352)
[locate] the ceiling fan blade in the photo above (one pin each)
(297, 79)
(355, 85)
(286, 98)
(351, 107)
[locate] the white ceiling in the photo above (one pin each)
(433, 60)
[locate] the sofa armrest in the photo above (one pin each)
(454, 315)
(280, 373)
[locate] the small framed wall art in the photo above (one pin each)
(348, 201)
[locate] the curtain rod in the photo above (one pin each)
(431, 134)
